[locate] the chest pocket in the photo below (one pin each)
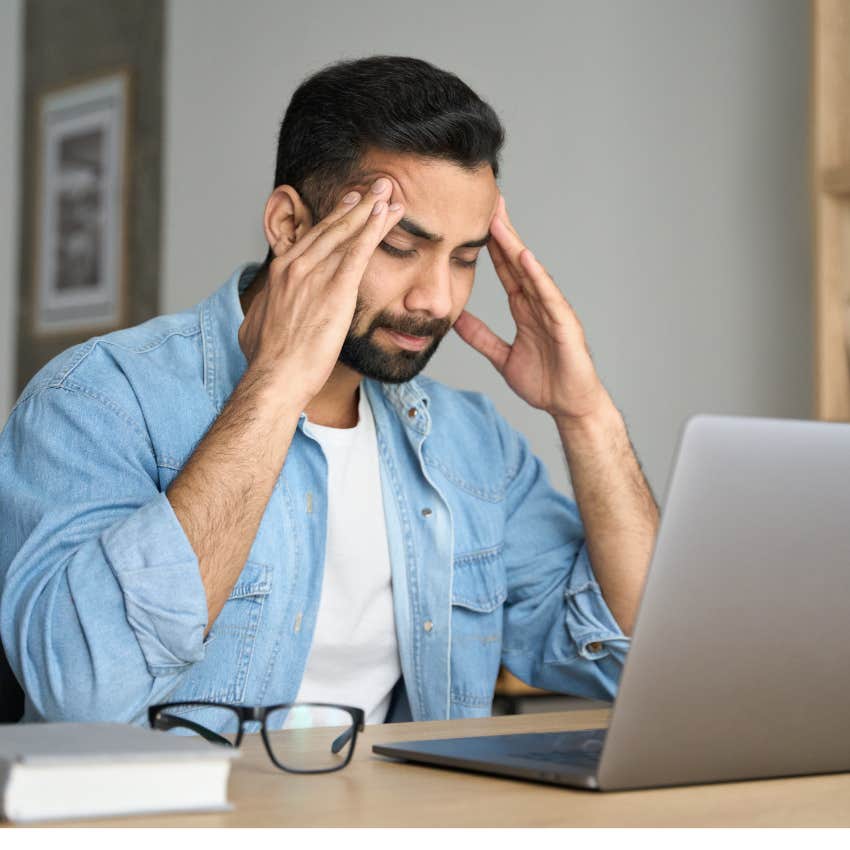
(223, 674)
(479, 590)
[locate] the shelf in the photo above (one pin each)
(830, 133)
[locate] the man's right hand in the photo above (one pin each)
(298, 322)
(293, 332)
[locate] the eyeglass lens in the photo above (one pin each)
(303, 736)
(310, 737)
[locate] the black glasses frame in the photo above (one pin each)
(257, 714)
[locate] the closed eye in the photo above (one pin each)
(398, 252)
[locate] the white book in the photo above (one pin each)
(50, 771)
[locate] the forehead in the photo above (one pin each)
(445, 198)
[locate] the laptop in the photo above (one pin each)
(739, 666)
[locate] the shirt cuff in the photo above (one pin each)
(159, 576)
(589, 621)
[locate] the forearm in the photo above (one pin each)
(222, 492)
(74, 650)
(617, 508)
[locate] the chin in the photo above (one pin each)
(373, 362)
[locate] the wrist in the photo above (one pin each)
(274, 388)
(598, 426)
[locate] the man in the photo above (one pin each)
(258, 500)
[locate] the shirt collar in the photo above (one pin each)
(221, 316)
(224, 363)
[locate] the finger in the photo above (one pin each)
(529, 273)
(502, 211)
(512, 246)
(546, 291)
(359, 251)
(328, 270)
(350, 213)
(510, 241)
(339, 232)
(474, 332)
(503, 268)
(285, 245)
(351, 203)
(361, 248)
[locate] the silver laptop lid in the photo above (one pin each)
(740, 663)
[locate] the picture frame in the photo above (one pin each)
(80, 246)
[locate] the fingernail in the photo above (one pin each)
(380, 185)
(395, 207)
(351, 198)
(379, 208)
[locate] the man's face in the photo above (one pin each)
(420, 277)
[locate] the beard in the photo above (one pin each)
(363, 354)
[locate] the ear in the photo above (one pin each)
(286, 218)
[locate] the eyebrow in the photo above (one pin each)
(414, 229)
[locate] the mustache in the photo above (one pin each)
(411, 327)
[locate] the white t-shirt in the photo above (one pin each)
(354, 658)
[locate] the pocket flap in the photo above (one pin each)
(254, 580)
(479, 581)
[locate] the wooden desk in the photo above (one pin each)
(373, 791)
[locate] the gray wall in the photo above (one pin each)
(656, 163)
(11, 43)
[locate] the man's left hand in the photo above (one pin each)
(548, 364)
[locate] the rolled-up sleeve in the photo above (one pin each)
(101, 600)
(559, 633)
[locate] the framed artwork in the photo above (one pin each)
(81, 213)
(91, 173)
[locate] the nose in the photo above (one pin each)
(431, 291)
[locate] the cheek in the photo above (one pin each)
(462, 290)
(383, 282)
(373, 294)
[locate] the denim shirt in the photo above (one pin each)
(102, 608)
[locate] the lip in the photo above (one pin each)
(412, 343)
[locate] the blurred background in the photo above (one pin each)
(658, 162)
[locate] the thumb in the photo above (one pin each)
(475, 333)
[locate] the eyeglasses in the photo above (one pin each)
(318, 737)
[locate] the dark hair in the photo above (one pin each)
(392, 103)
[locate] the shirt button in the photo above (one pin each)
(426, 511)
(427, 625)
(595, 646)
(412, 412)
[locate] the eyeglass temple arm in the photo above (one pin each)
(169, 721)
(343, 739)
